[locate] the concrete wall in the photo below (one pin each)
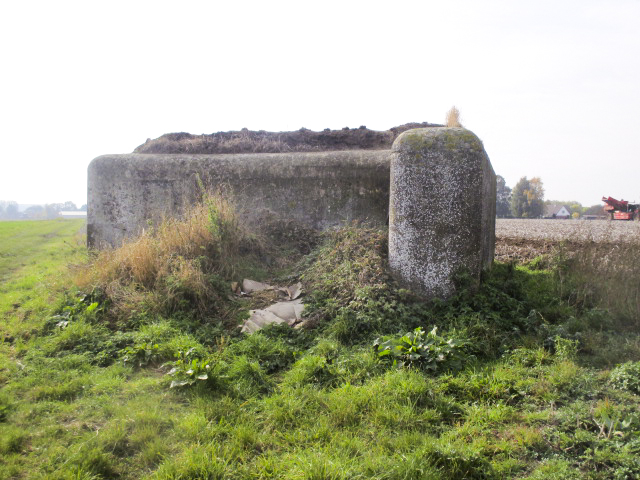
(320, 190)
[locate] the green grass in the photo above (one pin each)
(532, 396)
(33, 266)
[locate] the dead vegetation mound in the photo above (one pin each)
(303, 140)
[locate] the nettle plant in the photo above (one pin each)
(421, 349)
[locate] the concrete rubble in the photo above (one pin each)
(288, 312)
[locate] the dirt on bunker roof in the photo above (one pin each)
(303, 140)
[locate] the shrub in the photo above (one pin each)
(349, 267)
(626, 377)
(566, 349)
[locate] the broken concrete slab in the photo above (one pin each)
(280, 312)
(250, 286)
(289, 311)
(295, 291)
(260, 319)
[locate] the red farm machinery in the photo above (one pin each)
(621, 209)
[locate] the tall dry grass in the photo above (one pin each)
(180, 264)
(604, 275)
(452, 119)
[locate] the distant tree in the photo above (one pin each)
(503, 197)
(536, 197)
(11, 211)
(69, 206)
(52, 210)
(527, 198)
(83, 208)
(35, 212)
(576, 209)
(595, 210)
(519, 204)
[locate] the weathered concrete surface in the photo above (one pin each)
(442, 209)
(320, 190)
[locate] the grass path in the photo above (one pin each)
(34, 257)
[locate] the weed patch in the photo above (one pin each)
(180, 265)
(426, 350)
(603, 274)
(626, 377)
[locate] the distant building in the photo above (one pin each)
(73, 214)
(555, 210)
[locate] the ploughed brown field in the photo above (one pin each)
(523, 240)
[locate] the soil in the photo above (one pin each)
(522, 250)
(522, 240)
(303, 140)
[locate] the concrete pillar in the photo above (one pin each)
(441, 209)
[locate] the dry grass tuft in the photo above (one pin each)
(452, 118)
(178, 265)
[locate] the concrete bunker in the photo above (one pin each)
(435, 188)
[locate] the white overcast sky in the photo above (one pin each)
(551, 87)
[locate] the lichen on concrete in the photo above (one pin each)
(441, 210)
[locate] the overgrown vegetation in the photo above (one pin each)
(139, 371)
(604, 274)
(182, 265)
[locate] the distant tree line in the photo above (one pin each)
(526, 200)
(9, 210)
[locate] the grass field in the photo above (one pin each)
(522, 379)
(33, 269)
